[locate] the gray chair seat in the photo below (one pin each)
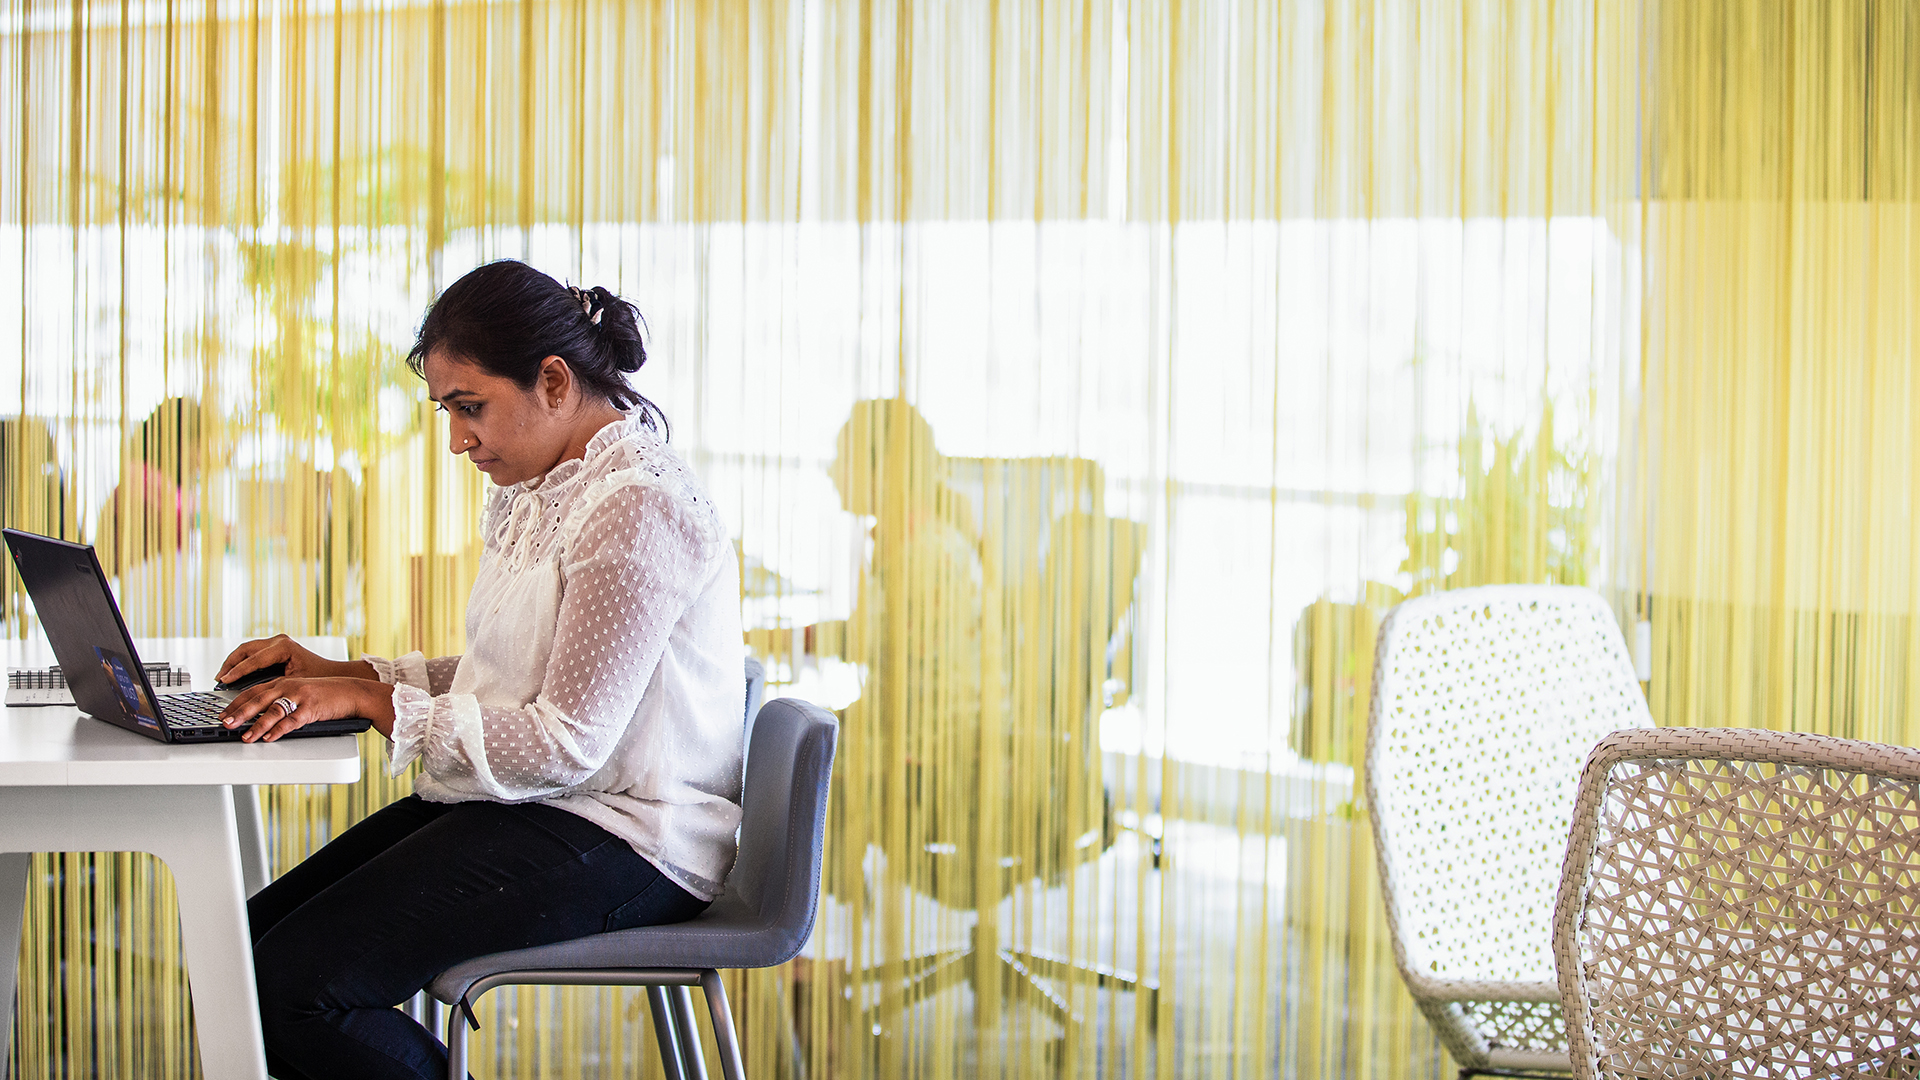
(726, 935)
(761, 919)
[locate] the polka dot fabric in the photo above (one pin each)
(603, 665)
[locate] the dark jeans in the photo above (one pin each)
(371, 918)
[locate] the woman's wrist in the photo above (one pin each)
(351, 669)
(378, 705)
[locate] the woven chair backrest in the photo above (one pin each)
(1485, 703)
(1743, 903)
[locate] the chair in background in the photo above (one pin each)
(1057, 583)
(761, 919)
(1741, 903)
(1485, 703)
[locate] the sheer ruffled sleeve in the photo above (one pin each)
(635, 556)
(415, 681)
(435, 676)
(440, 672)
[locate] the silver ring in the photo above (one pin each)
(287, 705)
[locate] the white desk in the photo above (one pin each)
(72, 783)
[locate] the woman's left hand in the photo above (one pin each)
(285, 705)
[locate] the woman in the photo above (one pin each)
(580, 764)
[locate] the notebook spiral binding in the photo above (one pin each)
(159, 674)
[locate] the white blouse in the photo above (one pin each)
(604, 663)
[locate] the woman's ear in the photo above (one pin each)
(556, 378)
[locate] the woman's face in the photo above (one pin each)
(511, 433)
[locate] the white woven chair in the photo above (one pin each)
(1485, 702)
(1742, 903)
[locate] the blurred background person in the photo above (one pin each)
(33, 496)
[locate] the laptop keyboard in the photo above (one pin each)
(199, 710)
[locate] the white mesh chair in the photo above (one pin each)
(1742, 903)
(1485, 703)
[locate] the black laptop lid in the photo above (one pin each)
(77, 612)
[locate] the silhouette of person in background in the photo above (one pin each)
(985, 620)
(916, 627)
(33, 488)
(33, 495)
(152, 510)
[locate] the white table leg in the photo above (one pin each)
(14, 868)
(207, 863)
(192, 830)
(252, 835)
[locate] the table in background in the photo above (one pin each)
(72, 783)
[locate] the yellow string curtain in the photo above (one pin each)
(1777, 447)
(1082, 382)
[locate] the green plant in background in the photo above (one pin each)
(1523, 514)
(318, 373)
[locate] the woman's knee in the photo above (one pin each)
(292, 978)
(303, 977)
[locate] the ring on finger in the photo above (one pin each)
(287, 705)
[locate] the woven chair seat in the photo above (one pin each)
(1742, 903)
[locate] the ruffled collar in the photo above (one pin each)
(563, 475)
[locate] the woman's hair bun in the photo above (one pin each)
(621, 326)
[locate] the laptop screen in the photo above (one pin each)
(83, 624)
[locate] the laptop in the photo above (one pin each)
(103, 671)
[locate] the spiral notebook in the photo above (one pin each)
(46, 686)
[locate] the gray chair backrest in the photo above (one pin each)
(756, 692)
(775, 882)
(756, 689)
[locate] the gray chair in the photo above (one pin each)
(761, 919)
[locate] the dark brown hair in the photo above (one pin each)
(506, 317)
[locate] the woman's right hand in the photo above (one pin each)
(301, 662)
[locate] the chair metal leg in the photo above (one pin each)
(683, 1019)
(665, 1034)
(725, 1039)
(456, 1043)
(796, 1054)
(669, 997)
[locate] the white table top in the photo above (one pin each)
(51, 746)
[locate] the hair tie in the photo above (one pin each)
(587, 307)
